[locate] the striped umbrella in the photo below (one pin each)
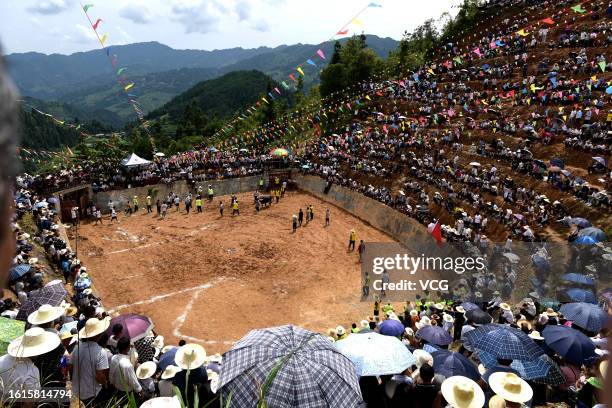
(504, 342)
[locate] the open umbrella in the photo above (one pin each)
(167, 358)
(375, 354)
(585, 240)
(450, 363)
(580, 295)
(478, 316)
(9, 330)
(570, 344)
(279, 152)
(288, 359)
(579, 222)
(435, 335)
(542, 370)
(391, 327)
(18, 271)
(48, 295)
(578, 278)
(599, 160)
(585, 315)
(594, 233)
(467, 306)
(513, 258)
(504, 342)
(135, 326)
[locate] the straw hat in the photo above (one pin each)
(393, 316)
(34, 342)
(94, 327)
(439, 306)
(190, 356)
(33, 261)
(87, 292)
(603, 369)
(340, 331)
(510, 387)
(146, 370)
(423, 322)
(170, 372)
(497, 402)
(71, 310)
(461, 392)
(522, 322)
(551, 313)
(45, 314)
(162, 402)
(364, 324)
(536, 335)
(422, 357)
(447, 318)
(460, 309)
(482, 369)
(414, 313)
(409, 332)
(505, 306)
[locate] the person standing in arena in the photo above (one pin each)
(149, 204)
(352, 239)
(327, 217)
(221, 208)
(198, 203)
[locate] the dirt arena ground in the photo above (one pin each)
(210, 280)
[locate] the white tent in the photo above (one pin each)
(134, 160)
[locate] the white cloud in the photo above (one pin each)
(261, 25)
(82, 35)
(198, 16)
(48, 7)
(136, 12)
(126, 38)
(243, 9)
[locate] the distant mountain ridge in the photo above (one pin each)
(87, 79)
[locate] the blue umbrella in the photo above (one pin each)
(467, 306)
(504, 342)
(585, 240)
(18, 271)
(580, 222)
(450, 363)
(391, 327)
(580, 295)
(167, 358)
(375, 354)
(594, 233)
(478, 316)
(540, 262)
(578, 278)
(570, 344)
(542, 370)
(82, 284)
(556, 161)
(435, 335)
(585, 315)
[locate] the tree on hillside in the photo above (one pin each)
(335, 59)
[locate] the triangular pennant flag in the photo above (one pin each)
(578, 9)
(602, 65)
(265, 100)
(87, 7)
(522, 32)
(342, 32)
(548, 21)
(103, 39)
(357, 22)
(128, 86)
(277, 90)
(120, 70)
(284, 84)
(292, 77)
(320, 53)
(311, 62)
(95, 25)
(374, 5)
(299, 69)
(108, 49)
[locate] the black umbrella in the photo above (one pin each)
(49, 295)
(478, 316)
(449, 363)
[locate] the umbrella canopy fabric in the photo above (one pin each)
(391, 327)
(580, 295)
(375, 354)
(578, 278)
(135, 327)
(467, 306)
(450, 363)
(585, 240)
(279, 152)
(167, 358)
(311, 372)
(504, 342)
(435, 335)
(9, 330)
(570, 344)
(580, 222)
(594, 233)
(478, 316)
(585, 315)
(542, 370)
(19, 271)
(48, 295)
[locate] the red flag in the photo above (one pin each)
(548, 20)
(95, 25)
(342, 32)
(292, 78)
(437, 232)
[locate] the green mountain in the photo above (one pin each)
(97, 120)
(87, 79)
(39, 132)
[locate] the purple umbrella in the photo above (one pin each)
(435, 335)
(135, 327)
(391, 327)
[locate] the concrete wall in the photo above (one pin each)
(221, 187)
(400, 227)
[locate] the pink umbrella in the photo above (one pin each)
(135, 327)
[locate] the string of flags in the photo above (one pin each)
(57, 121)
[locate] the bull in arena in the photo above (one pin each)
(265, 201)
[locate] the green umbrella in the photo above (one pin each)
(10, 329)
(279, 152)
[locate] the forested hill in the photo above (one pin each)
(221, 97)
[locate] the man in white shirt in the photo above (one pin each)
(17, 374)
(122, 374)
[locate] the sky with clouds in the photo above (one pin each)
(60, 26)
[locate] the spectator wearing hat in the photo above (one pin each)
(89, 363)
(17, 370)
(462, 392)
(165, 384)
(145, 373)
(511, 388)
(190, 358)
(48, 363)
